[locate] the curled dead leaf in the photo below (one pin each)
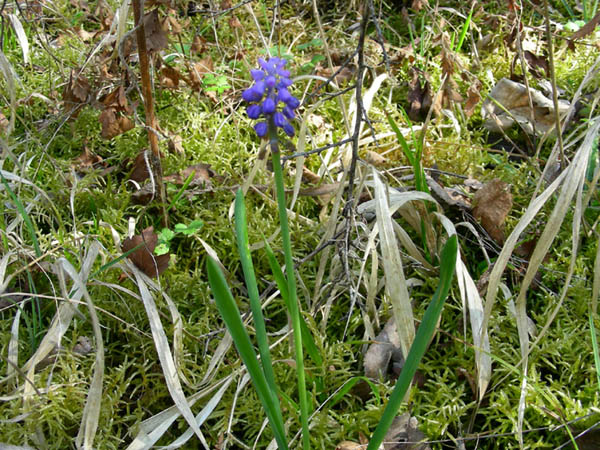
(202, 175)
(76, 92)
(144, 257)
(114, 124)
(473, 97)
(492, 203)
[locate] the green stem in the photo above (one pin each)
(291, 280)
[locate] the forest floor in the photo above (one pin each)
(478, 119)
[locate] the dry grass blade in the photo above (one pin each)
(152, 429)
(367, 101)
(91, 410)
(395, 283)
(164, 353)
(10, 77)
(13, 346)
(21, 37)
(62, 319)
(472, 300)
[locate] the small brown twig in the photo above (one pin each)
(149, 107)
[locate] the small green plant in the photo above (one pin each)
(215, 83)
(267, 92)
(165, 236)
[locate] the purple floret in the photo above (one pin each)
(265, 95)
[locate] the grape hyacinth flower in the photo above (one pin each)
(270, 88)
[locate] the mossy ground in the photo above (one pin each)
(44, 144)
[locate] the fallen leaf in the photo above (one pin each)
(174, 25)
(492, 203)
(76, 92)
(3, 123)
(202, 175)
(170, 77)
(198, 44)
(86, 160)
(418, 5)
(473, 97)
(198, 70)
(309, 176)
(419, 97)
(175, 144)
(144, 257)
(404, 434)
(234, 22)
(140, 170)
(85, 36)
(349, 445)
(375, 158)
(156, 36)
(114, 124)
(536, 63)
(117, 100)
(385, 348)
(588, 28)
(342, 74)
(514, 98)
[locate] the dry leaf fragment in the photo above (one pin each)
(175, 145)
(349, 445)
(170, 77)
(117, 100)
(113, 124)
(375, 158)
(419, 97)
(514, 98)
(536, 63)
(404, 434)
(86, 160)
(76, 92)
(202, 175)
(144, 257)
(141, 170)
(156, 36)
(473, 97)
(198, 44)
(385, 349)
(3, 123)
(492, 204)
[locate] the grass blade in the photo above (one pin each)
(307, 339)
(417, 349)
(231, 316)
(241, 233)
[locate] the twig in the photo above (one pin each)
(149, 106)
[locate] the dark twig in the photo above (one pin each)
(317, 150)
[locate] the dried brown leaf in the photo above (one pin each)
(113, 124)
(198, 44)
(492, 203)
(76, 92)
(117, 100)
(170, 77)
(86, 160)
(419, 97)
(144, 257)
(473, 97)
(536, 63)
(375, 158)
(3, 123)
(140, 170)
(175, 144)
(203, 175)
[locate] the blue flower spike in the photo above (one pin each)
(270, 89)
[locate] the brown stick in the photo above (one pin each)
(151, 122)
